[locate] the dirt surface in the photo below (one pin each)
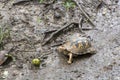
(28, 24)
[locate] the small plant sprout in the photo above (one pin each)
(39, 20)
(41, 1)
(69, 4)
(4, 34)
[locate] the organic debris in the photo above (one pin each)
(57, 32)
(4, 54)
(19, 1)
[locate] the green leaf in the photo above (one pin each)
(69, 4)
(41, 1)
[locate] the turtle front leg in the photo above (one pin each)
(70, 58)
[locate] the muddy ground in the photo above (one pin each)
(27, 25)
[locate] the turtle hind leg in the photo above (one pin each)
(70, 58)
(91, 50)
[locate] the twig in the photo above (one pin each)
(101, 3)
(84, 13)
(58, 31)
(48, 3)
(19, 1)
(48, 32)
(46, 10)
(51, 31)
(58, 44)
(80, 25)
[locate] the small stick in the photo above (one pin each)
(84, 13)
(101, 3)
(48, 32)
(58, 44)
(49, 7)
(46, 10)
(19, 1)
(46, 3)
(83, 28)
(56, 32)
(80, 25)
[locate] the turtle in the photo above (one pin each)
(76, 45)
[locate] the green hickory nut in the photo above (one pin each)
(36, 62)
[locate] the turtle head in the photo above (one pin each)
(61, 49)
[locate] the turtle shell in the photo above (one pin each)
(77, 46)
